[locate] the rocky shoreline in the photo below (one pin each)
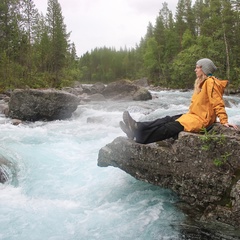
(51, 104)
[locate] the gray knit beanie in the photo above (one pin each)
(208, 67)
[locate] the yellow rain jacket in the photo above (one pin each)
(206, 106)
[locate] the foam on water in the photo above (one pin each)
(57, 191)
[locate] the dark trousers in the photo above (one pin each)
(157, 130)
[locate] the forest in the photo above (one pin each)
(35, 50)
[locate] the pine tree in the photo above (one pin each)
(9, 42)
(199, 16)
(58, 39)
(151, 59)
(184, 18)
(29, 16)
(235, 50)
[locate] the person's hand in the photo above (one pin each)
(231, 125)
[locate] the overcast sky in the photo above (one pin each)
(109, 23)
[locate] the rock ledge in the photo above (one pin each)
(204, 170)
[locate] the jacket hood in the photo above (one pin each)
(220, 84)
(223, 83)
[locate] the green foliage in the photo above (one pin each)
(222, 159)
(106, 65)
(188, 39)
(35, 50)
(213, 142)
(151, 57)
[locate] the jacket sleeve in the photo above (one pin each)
(215, 94)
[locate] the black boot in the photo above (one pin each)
(129, 121)
(126, 130)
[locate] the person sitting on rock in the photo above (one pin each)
(206, 105)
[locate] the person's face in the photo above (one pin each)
(198, 71)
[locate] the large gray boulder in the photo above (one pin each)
(204, 170)
(142, 94)
(50, 104)
(125, 89)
